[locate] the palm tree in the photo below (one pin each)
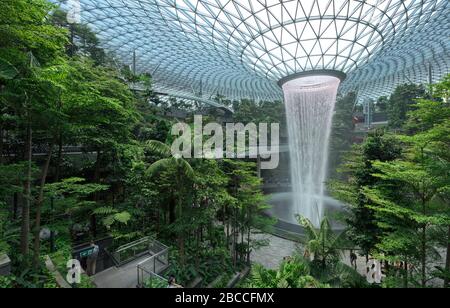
(326, 245)
(183, 175)
(323, 243)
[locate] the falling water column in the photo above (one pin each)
(310, 102)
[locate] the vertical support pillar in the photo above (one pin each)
(134, 62)
(258, 166)
(430, 78)
(430, 74)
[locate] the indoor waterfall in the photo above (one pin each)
(310, 103)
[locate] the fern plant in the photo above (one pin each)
(112, 216)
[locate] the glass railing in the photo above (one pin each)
(150, 268)
(133, 250)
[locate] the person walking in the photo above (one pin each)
(353, 259)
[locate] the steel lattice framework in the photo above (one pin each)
(241, 48)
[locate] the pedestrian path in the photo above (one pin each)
(124, 276)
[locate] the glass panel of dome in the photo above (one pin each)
(226, 29)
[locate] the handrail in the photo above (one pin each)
(148, 269)
(132, 244)
(145, 276)
(129, 252)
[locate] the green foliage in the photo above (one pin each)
(342, 131)
(415, 207)
(155, 283)
(60, 258)
(205, 262)
(358, 170)
(248, 111)
(12, 178)
(291, 274)
(6, 282)
(59, 87)
(74, 186)
(401, 102)
(397, 187)
(7, 70)
(24, 27)
(8, 231)
(323, 243)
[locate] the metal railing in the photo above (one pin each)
(150, 280)
(131, 251)
(149, 269)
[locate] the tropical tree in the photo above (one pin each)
(323, 243)
(417, 205)
(357, 173)
(412, 212)
(32, 50)
(181, 175)
(342, 131)
(401, 102)
(245, 211)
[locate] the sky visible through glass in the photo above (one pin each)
(241, 48)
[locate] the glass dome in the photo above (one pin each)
(242, 48)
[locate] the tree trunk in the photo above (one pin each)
(172, 208)
(249, 231)
(424, 257)
(39, 201)
(25, 227)
(97, 167)
(179, 215)
(226, 225)
(72, 43)
(96, 195)
(181, 248)
(447, 262)
(15, 205)
(1, 143)
(242, 253)
(59, 159)
(324, 260)
(405, 268)
(235, 236)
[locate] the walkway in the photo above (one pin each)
(134, 261)
(271, 256)
(123, 277)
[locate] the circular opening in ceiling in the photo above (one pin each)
(312, 82)
(312, 78)
(334, 44)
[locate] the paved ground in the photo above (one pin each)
(271, 256)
